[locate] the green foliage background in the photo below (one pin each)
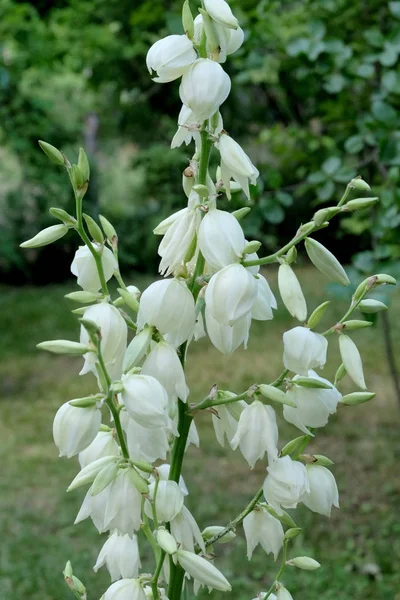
(315, 101)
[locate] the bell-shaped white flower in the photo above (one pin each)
(226, 419)
(313, 405)
(265, 301)
(262, 528)
(120, 554)
(74, 428)
(230, 40)
(145, 400)
(118, 506)
(291, 292)
(176, 243)
(257, 433)
(225, 338)
(283, 594)
(114, 336)
(104, 444)
(125, 589)
(170, 57)
(163, 363)
(285, 484)
(186, 531)
(221, 13)
(144, 443)
(230, 294)
(304, 350)
(202, 571)
(205, 86)
(188, 128)
(169, 500)
(84, 267)
(169, 306)
(165, 224)
(163, 474)
(221, 239)
(323, 493)
(235, 164)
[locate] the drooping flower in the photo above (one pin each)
(205, 86)
(144, 443)
(323, 493)
(236, 164)
(225, 421)
(257, 433)
(304, 350)
(186, 531)
(262, 528)
(84, 267)
(163, 363)
(285, 483)
(168, 500)
(120, 554)
(225, 338)
(145, 400)
(75, 428)
(221, 13)
(104, 444)
(265, 301)
(170, 57)
(221, 239)
(231, 294)
(177, 242)
(125, 589)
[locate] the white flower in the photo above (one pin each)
(84, 267)
(166, 541)
(221, 13)
(186, 531)
(285, 483)
(257, 433)
(352, 361)
(165, 224)
(221, 239)
(169, 306)
(137, 349)
(304, 350)
(236, 164)
(74, 428)
(205, 86)
(291, 292)
(170, 57)
(229, 40)
(103, 444)
(265, 301)
(163, 363)
(231, 294)
(177, 241)
(313, 405)
(283, 594)
(262, 595)
(188, 128)
(323, 493)
(163, 474)
(125, 589)
(118, 506)
(114, 336)
(120, 554)
(202, 571)
(262, 528)
(225, 338)
(226, 420)
(144, 443)
(169, 500)
(145, 400)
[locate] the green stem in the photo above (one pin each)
(278, 382)
(281, 570)
(348, 314)
(154, 581)
(149, 535)
(344, 197)
(209, 402)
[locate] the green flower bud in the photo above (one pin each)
(304, 562)
(108, 229)
(359, 184)
(291, 256)
(139, 482)
(77, 177)
(326, 262)
(384, 279)
(94, 229)
(129, 299)
(83, 164)
(201, 190)
(275, 394)
(166, 541)
(292, 533)
(251, 247)
(317, 315)
(340, 373)
(63, 347)
(310, 382)
(87, 402)
(351, 325)
(360, 203)
(83, 297)
(187, 20)
(324, 214)
(104, 478)
(46, 236)
(296, 446)
(371, 306)
(357, 398)
(241, 212)
(143, 466)
(63, 216)
(209, 532)
(284, 518)
(52, 153)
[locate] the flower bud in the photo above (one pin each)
(236, 164)
(251, 247)
(352, 360)
(169, 306)
(108, 229)
(209, 532)
(295, 447)
(354, 324)
(262, 528)
(52, 153)
(304, 562)
(75, 428)
(292, 533)
(360, 203)
(137, 349)
(291, 293)
(384, 279)
(166, 541)
(371, 306)
(145, 400)
(359, 184)
(221, 13)
(357, 398)
(231, 294)
(125, 589)
(84, 267)
(325, 214)
(129, 298)
(325, 261)
(94, 230)
(257, 433)
(275, 394)
(283, 594)
(205, 86)
(63, 347)
(46, 236)
(291, 256)
(120, 554)
(221, 239)
(83, 297)
(317, 315)
(83, 164)
(241, 212)
(312, 382)
(63, 216)
(304, 350)
(168, 501)
(103, 478)
(202, 571)
(187, 20)
(89, 473)
(170, 57)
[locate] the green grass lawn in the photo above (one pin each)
(359, 547)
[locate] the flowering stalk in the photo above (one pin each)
(213, 287)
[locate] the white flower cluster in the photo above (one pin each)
(216, 289)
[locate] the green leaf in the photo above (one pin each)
(394, 8)
(354, 144)
(331, 165)
(326, 191)
(383, 112)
